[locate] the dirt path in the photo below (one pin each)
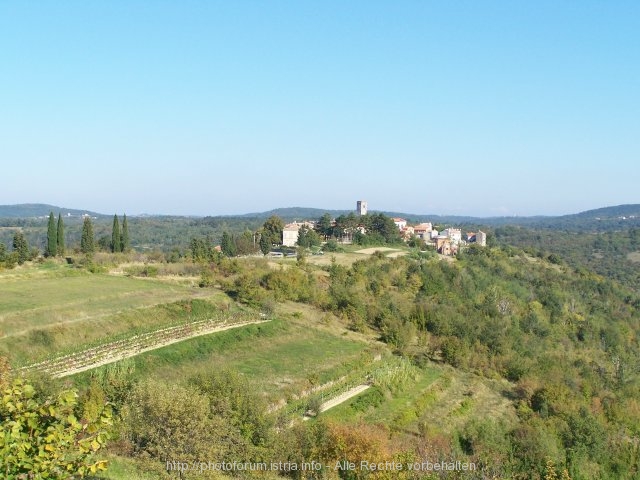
(343, 397)
(120, 350)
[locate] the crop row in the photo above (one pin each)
(133, 345)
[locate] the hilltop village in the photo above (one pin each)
(346, 228)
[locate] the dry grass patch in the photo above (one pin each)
(397, 254)
(372, 250)
(634, 257)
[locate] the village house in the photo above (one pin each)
(291, 230)
(454, 234)
(423, 231)
(401, 223)
(407, 233)
(479, 238)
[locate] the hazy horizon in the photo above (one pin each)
(62, 208)
(215, 108)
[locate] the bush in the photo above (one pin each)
(372, 398)
(145, 270)
(331, 246)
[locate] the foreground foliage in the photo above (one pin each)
(43, 438)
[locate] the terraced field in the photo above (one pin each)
(28, 303)
(440, 399)
(111, 352)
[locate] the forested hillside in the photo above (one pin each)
(612, 254)
(566, 339)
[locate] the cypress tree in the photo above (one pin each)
(116, 239)
(125, 242)
(87, 242)
(60, 236)
(265, 245)
(52, 237)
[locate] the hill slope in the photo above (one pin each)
(29, 210)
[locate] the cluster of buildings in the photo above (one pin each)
(446, 242)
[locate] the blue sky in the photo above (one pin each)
(200, 107)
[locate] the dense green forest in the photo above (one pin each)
(612, 254)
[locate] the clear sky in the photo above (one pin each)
(201, 107)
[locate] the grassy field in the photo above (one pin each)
(282, 359)
(31, 302)
(48, 309)
(439, 399)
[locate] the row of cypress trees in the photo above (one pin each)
(55, 237)
(120, 241)
(120, 237)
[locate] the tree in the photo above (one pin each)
(3, 252)
(307, 237)
(172, 422)
(228, 245)
(345, 226)
(324, 226)
(272, 228)
(52, 237)
(44, 439)
(87, 241)
(265, 245)
(198, 249)
(384, 226)
(245, 243)
(116, 239)
(126, 242)
(60, 236)
(21, 247)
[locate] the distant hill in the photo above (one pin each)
(31, 210)
(612, 218)
(612, 212)
(296, 213)
(619, 217)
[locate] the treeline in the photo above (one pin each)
(173, 234)
(373, 229)
(55, 243)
